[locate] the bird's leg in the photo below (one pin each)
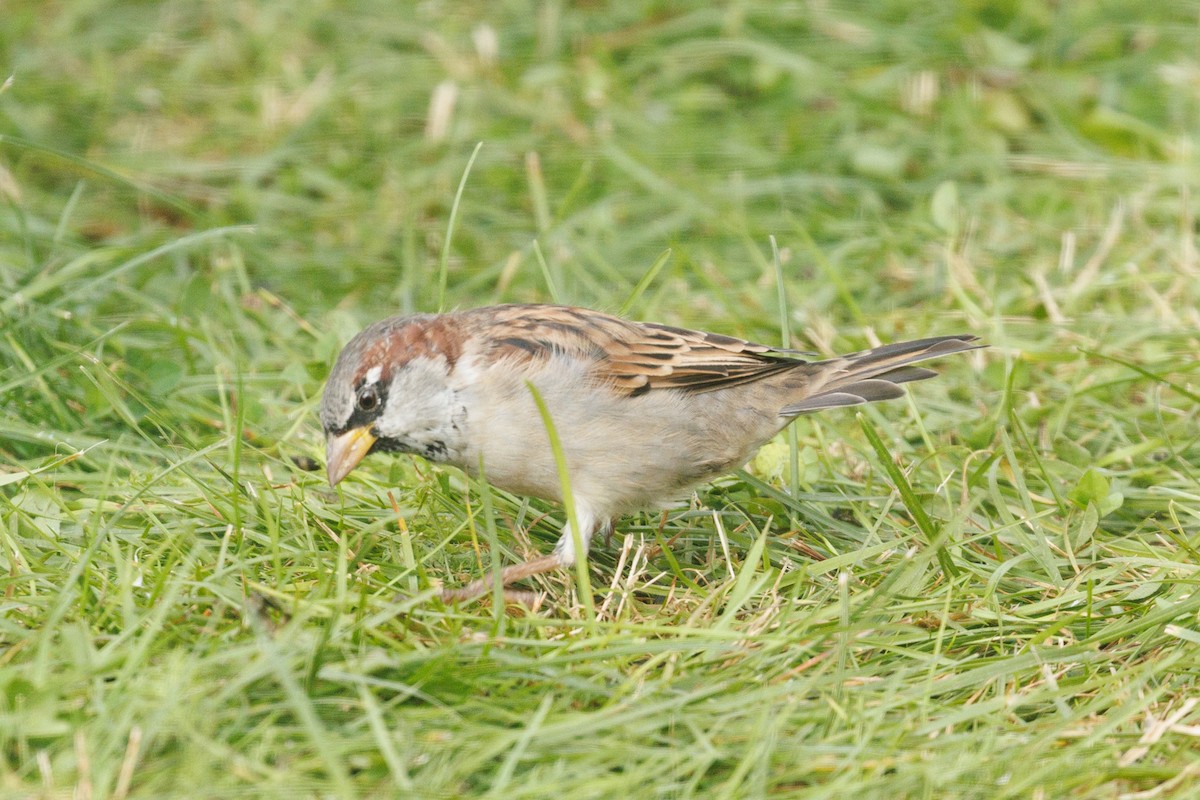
(563, 556)
(510, 574)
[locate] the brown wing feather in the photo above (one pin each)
(663, 357)
(631, 357)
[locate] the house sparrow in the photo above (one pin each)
(644, 411)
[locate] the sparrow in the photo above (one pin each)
(643, 411)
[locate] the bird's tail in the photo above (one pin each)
(875, 374)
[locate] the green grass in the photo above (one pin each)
(986, 591)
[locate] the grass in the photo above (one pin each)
(986, 591)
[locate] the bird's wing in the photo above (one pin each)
(629, 357)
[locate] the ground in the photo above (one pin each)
(984, 591)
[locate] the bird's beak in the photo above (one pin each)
(342, 453)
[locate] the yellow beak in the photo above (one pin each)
(342, 453)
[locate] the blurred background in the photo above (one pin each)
(920, 165)
(610, 133)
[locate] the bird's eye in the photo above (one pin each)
(368, 398)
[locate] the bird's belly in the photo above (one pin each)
(621, 455)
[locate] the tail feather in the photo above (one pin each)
(874, 374)
(908, 374)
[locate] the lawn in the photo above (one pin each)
(985, 590)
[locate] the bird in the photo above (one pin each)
(644, 411)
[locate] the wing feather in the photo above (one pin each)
(630, 357)
(633, 358)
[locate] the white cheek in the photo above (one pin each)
(422, 409)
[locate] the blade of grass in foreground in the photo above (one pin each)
(911, 501)
(564, 478)
(785, 341)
